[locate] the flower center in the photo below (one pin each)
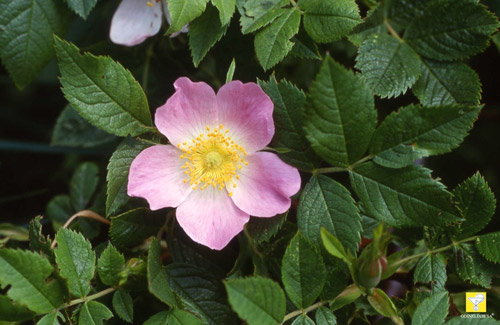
(212, 159)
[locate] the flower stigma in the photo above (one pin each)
(212, 159)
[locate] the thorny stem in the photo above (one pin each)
(437, 250)
(392, 31)
(83, 214)
(88, 298)
(303, 311)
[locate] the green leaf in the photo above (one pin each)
(303, 272)
(325, 203)
(132, 227)
(340, 115)
(230, 71)
(324, 316)
(183, 12)
(157, 278)
(432, 310)
(204, 32)
(123, 305)
(288, 114)
(83, 185)
(327, 21)
(26, 29)
(93, 313)
(304, 47)
(81, 7)
(373, 24)
(76, 261)
(12, 312)
(201, 293)
(102, 91)
(272, 43)
(181, 317)
(51, 318)
(488, 246)
(384, 306)
(477, 203)
(263, 229)
(347, 296)
(402, 12)
(109, 265)
(388, 66)
(158, 319)
(260, 13)
(415, 132)
(447, 83)
(471, 266)
(451, 29)
(334, 246)
(257, 300)
(303, 319)
(72, 130)
(13, 232)
(28, 288)
(226, 10)
(117, 178)
(38, 242)
(402, 197)
(431, 268)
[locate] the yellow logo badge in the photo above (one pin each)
(475, 302)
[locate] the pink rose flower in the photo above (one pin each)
(136, 20)
(213, 171)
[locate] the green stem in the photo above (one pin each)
(437, 250)
(392, 31)
(145, 73)
(328, 170)
(303, 311)
(88, 298)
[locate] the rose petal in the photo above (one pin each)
(265, 185)
(156, 174)
(187, 112)
(134, 21)
(210, 217)
(247, 112)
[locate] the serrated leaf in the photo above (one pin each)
(477, 203)
(204, 32)
(304, 47)
(432, 310)
(447, 83)
(102, 91)
(117, 177)
(83, 185)
(201, 293)
(76, 261)
(132, 227)
(123, 305)
(303, 319)
(181, 317)
(26, 29)
(288, 111)
(28, 288)
(259, 301)
(327, 21)
(373, 24)
(38, 242)
(226, 10)
(402, 197)
(157, 278)
(334, 246)
(451, 29)
(325, 316)
(272, 43)
(263, 229)
(471, 266)
(93, 313)
(384, 306)
(72, 130)
(51, 318)
(12, 312)
(109, 265)
(489, 246)
(183, 12)
(81, 7)
(415, 132)
(303, 272)
(326, 203)
(158, 319)
(431, 268)
(258, 14)
(388, 66)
